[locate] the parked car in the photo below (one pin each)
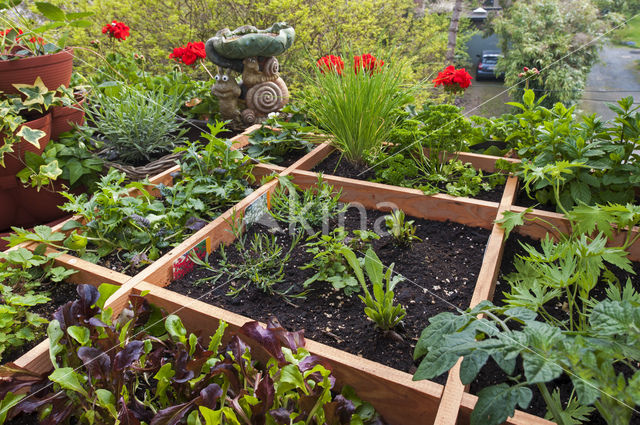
(487, 65)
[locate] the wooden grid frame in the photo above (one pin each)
(399, 399)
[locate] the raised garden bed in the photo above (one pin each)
(440, 271)
(447, 405)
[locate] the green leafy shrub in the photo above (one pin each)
(569, 160)
(557, 37)
(137, 126)
(507, 334)
(146, 362)
(159, 26)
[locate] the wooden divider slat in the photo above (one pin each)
(413, 202)
(395, 396)
(485, 285)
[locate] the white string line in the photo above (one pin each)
(467, 113)
(459, 310)
(424, 289)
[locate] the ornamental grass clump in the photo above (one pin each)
(357, 104)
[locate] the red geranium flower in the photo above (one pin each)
(367, 62)
(117, 30)
(7, 31)
(331, 63)
(454, 80)
(190, 53)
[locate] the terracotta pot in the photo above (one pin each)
(63, 117)
(55, 70)
(13, 161)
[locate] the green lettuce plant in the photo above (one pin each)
(22, 274)
(145, 367)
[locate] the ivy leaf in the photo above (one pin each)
(30, 135)
(498, 402)
(51, 170)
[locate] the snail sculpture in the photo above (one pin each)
(249, 52)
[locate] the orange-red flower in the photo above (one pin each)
(331, 63)
(190, 53)
(367, 62)
(117, 30)
(453, 79)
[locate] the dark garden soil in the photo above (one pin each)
(336, 166)
(441, 273)
(523, 200)
(60, 293)
(491, 374)
(291, 157)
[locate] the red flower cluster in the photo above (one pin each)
(117, 30)
(4, 33)
(331, 63)
(529, 72)
(190, 53)
(335, 64)
(367, 62)
(7, 31)
(454, 80)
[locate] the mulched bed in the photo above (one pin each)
(491, 374)
(60, 293)
(333, 165)
(443, 268)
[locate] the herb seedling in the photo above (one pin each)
(316, 205)
(328, 260)
(379, 307)
(403, 231)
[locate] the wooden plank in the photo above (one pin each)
(485, 286)
(400, 400)
(313, 158)
(439, 207)
(538, 229)
(519, 418)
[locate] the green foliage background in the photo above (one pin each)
(550, 33)
(322, 27)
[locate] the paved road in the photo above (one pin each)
(612, 79)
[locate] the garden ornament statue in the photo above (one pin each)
(250, 52)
